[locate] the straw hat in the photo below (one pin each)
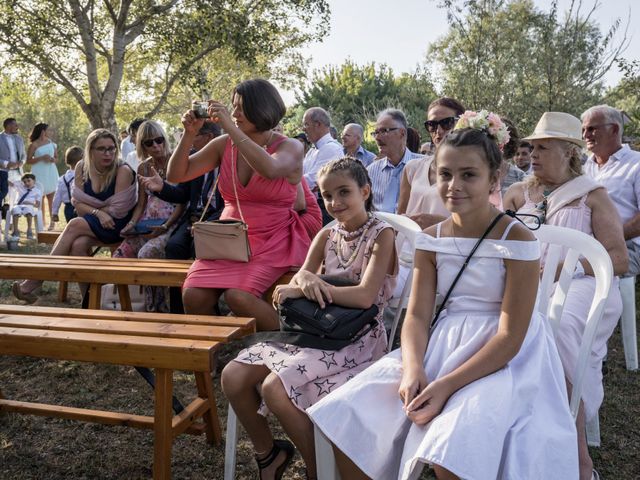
(559, 125)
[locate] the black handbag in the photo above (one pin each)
(305, 324)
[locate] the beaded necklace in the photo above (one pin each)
(344, 236)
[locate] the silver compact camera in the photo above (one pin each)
(201, 109)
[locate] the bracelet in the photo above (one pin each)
(164, 226)
(242, 141)
(94, 211)
(131, 222)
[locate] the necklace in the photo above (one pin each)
(344, 236)
(268, 140)
(98, 172)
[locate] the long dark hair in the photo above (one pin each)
(37, 131)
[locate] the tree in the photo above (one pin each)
(510, 57)
(85, 45)
(352, 93)
(626, 97)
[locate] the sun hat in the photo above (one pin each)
(558, 125)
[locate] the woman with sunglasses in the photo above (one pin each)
(104, 194)
(560, 194)
(418, 196)
(260, 171)
(153, 219)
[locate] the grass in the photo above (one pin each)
(37, 448)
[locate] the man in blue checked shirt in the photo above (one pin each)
(391, 136)
(352, 135)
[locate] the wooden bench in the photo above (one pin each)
(163, 342)
(48, 236)
(96, 271)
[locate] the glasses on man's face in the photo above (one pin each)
(591, 129)
(107, 150)
(446, 124)
(149, 143)
(383, 131)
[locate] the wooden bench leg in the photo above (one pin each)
(163, 434)
(62, 291)
(125, 298)
(95, 294)
(210, 417)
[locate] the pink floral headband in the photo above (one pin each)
(488, 122)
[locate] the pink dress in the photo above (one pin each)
(576, 309)
(309, 374)
(277, 237)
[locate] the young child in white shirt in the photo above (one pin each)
(29, 198)
(65, 183)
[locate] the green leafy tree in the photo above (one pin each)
(510, 57)
(353, 93)
(85, 45)
(626, 97)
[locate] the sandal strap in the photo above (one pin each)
(268, 459)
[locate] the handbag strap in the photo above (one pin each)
(233, 179)
(464, 266)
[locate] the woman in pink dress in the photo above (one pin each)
(360, 249)
(259, 172)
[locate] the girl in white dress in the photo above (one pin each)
(481, 395)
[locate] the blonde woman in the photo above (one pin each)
(104, 194)
(559, 194)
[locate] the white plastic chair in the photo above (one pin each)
(628, 322)
(577, 244)
(407, 230)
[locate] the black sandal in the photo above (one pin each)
(278, 446)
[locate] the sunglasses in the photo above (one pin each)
(105, 149)
(542, 208)
(446, 124)
(149, 143)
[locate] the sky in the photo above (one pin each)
(398, 32)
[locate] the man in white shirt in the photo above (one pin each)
(617, 167)
(12, 155)
(352, 142)
(391, 136)
(132, 158)
(315, 123)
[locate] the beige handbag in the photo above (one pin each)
(222, 239)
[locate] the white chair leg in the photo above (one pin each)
(628, 322)
(593, 432)
(231, 443)
(325, 460)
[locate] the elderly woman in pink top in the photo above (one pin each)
(559, 194)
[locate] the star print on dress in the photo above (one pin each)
(361, 345)
(302, 369)
(324, 387)
(328, 359)
(294, 394)
(349, 363)
(294, 351)
(253, 357)
(273, 353)
(278, 366)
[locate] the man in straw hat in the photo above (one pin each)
(617, 167)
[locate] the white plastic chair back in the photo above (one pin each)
(407, 231)
(579, 244)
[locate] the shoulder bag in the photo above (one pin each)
(222, 239)
(305, 324)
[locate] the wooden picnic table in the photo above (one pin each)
(164, 342)
(96, 271)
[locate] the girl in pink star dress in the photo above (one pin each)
(359, 248)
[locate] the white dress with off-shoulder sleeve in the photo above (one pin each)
(512, 424)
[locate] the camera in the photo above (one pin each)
(200, 109)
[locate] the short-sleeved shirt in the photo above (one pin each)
(620, 175)
(324, 150)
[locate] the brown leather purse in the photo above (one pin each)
(222, 239)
